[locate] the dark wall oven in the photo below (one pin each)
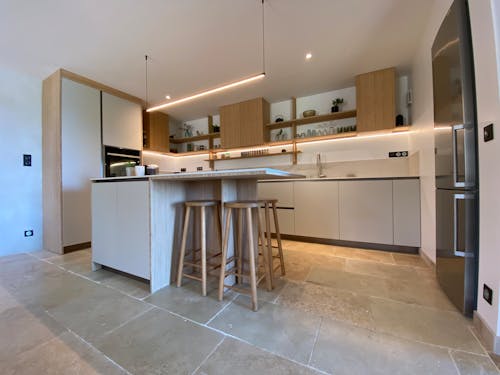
(116, 160)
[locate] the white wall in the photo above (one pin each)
(484, 34)
(422, 140)
(21, 187)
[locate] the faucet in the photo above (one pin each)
(319, 166)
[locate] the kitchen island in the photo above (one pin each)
(137, 221)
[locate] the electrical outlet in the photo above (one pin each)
(183, 169)
(26, 160)
(398, 154)
(487, 294)
(199, 168)
(488, 132)
(28, 233)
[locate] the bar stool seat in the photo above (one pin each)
(245, 228)
(201, 264)
(271, 204)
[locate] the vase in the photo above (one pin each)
(335, 108)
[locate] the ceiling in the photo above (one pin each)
(196, 45)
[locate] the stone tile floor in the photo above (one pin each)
(338, 310)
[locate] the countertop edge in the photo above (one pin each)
(344, 179)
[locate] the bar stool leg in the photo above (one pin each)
(251, 255)
(203, 254)
(180, 269)
(266, 254)
(238, 251)
(269, 242)
(278, 239)
(225, 240)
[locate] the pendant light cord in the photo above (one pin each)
(263, 40)
(146, 58)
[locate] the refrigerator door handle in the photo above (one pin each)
(456, 251)
(454, 130)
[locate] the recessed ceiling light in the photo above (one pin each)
(167, 97)
(308, 56)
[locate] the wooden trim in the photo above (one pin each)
(257, 156)
(110, 90)
(51, 163)
(76, 247)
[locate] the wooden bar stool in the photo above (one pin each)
(271, 204)
(202, 263)
(245, 228)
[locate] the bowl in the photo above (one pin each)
(309, 113)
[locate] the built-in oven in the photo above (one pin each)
(116, 160)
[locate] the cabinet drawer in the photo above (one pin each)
(286, 221)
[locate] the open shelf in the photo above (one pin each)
(195, 138)
(312, 119)
(257, 156)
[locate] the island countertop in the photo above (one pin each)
(229, 174)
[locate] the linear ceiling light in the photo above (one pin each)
(208, 92)
(225, 87)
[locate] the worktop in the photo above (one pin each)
(225, 174)
(346, 178)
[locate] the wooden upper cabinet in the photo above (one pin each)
(242, 124)
(156, 131)
(376, 100)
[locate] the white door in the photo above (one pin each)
(81, 157)
(366, 211)
(317, 209)
(121, 122)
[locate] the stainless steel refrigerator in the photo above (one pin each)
(455, 134)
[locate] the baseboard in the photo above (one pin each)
(361, 245)
(76, 247)
(487, 337)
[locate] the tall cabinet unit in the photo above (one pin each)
(72, 152)
(80, 157)
(242, 124)
(376, 100)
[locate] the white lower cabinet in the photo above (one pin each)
(366, 211)
(121, 225)
(317, 209)
(406, 212)
(383, 211)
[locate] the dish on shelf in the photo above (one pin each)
(309, 113)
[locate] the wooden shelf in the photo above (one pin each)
(327, 137)
(312, 119)
(195, 138)
(257, 156)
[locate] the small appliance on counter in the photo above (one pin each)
(152, 169)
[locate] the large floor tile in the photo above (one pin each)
(236, 357)
(345, 350)
(298, 264)
(383, 270)
(22, 329)
(159, 343)
(128, 285)
(43, 254)
(281, 330)
(409, 260)
(439, 327)
(96, 311)
(7, 300)
(188, 301)
(328, 302)
(421, 293)
(361, 284)
(62, 355)
(471, 364)
(373, 255)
